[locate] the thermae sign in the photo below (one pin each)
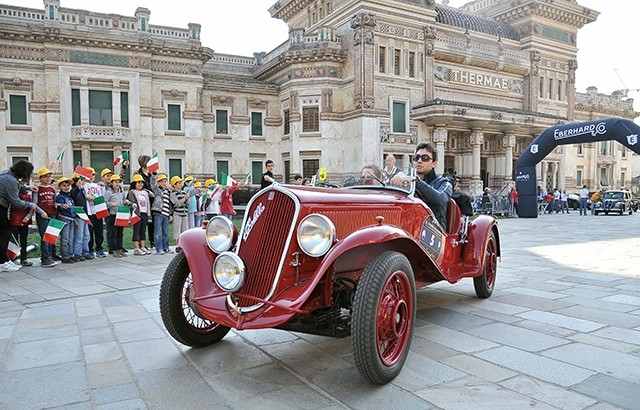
(591, 129)
(482, 80)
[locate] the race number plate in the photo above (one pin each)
(432, 238)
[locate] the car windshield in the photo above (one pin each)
(614, 195)
(377, 178)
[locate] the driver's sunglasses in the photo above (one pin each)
(423, 158)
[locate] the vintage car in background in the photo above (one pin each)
(616, 202)
(326, 261)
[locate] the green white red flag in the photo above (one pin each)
(154, 163)
(13, 250)
(134, 219)
(53, 231)
(83, 172)
(122, 216)
(121, 158)
(100, 207)
(82, 214)
(229, 181)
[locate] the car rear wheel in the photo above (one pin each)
(179, 315)
(383, 317)
(485, 284)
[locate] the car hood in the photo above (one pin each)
(316, 195)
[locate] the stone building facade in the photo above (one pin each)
(355, 80)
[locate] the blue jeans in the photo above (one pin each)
(161, 232)
(81, 238)
(67, 236)
(583, 206)
(45, 248)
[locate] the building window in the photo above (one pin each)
(18, 109)
(51, 13)
(124, 109)
(175, 167)
(256, 172)
(75, 107)
(541, 87)
(399, 116)
(623, 176)
(100, 108)
(287, 171)
(222, 170)
(603, 148)
(603, 177)
(397, 59)
(623, 152)
(412, 64)
(19, 158)
(287, 122)
(580, 149)
(256, 124)
(310, 167)
(222, 122)
(551, 88)
(382, 59)
(579, 177)
(310, 119)
(174, 120)
(99, 159)
(77, 157)
(143, 24)
(560, 93)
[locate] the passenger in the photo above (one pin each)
(371, 175)
(434, 190)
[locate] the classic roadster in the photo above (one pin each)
(325, 261)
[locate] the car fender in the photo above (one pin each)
(478, 236)
(200, 259)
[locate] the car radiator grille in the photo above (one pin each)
(264, 245)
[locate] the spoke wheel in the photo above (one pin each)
(383, 317)
(179, 314)
(485, 283)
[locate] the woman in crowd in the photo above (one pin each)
(115, 197)
(139, 198)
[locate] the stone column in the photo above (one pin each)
(543, 174)
(86, 155)
(555, 175)
(440, 135)
(571, 90)
(509, 142)
(562, 172)
(363, 26)
(429, 37)
(477, 139)
(84, 102)
(115, 104)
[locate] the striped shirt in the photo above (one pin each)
(166, 203)
(179, 201)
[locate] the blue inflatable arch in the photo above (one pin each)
(617, 129)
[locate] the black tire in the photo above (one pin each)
(485, 284)
(173, 310)
(364, 324)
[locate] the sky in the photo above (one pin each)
(245, 26)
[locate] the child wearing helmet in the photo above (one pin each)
(139, 198)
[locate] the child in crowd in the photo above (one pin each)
(45, 198)
(199, 211)
(114, 198)
(81, 250)
(226, 201)
(139, 198)
(19, 221)
(212, 199)
(93, 190)
(105, 184)
(192, 206)
(161, 212)
(64, 204)
(179, 199)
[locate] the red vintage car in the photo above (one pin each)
(326, 261)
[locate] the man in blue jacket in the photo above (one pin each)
(434, 190)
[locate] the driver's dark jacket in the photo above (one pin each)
(436, 192)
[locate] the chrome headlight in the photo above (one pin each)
(316, 235)
(229, 271)
(220, 233)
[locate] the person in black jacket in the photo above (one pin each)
(146, 176)
(81, 234)
(434, 190)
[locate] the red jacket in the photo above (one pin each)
(226, 200)
(18, 214)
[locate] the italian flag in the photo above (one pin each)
(229, 181)
(53, 231)
(122, 216)
(154, 163)
(134, 219)
(82, 214)
(13, 250)
(100, 207)
(83, 172)
(121, 158)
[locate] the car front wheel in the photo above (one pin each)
(485, 283)
(383, 317)
(179, 315)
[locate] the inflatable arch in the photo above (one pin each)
(624, 131)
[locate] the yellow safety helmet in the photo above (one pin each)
(63, 179)
(43, 172)
(175, 180)
(115, 178)
(161, 177)
(198, 184)
(209, 182)
(137, 178)
(105, 172)
(188, 179)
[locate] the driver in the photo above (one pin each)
(434, 190)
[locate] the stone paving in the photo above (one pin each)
(562, 330)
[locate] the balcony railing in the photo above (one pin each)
(97, 133)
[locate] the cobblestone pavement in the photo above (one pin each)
(561, 331)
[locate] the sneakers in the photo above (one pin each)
(69, 260)
(25, 263)
(89, 257)
(9, 267)
(116, 254)
(77, 259)
(101, 254)
(139, 252)
(48, 263)
(123, 253)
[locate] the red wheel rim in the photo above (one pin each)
(490, 263)
(394, 318)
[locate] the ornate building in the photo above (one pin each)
(356, 80)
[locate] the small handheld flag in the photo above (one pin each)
(154, 163)
(122, 216)
(82, 214)
(124, 156)
(60, 156)
(13, 250)
(53, 231)
(229, 181)
(247, 180)
(100, 207)
(83, 172)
